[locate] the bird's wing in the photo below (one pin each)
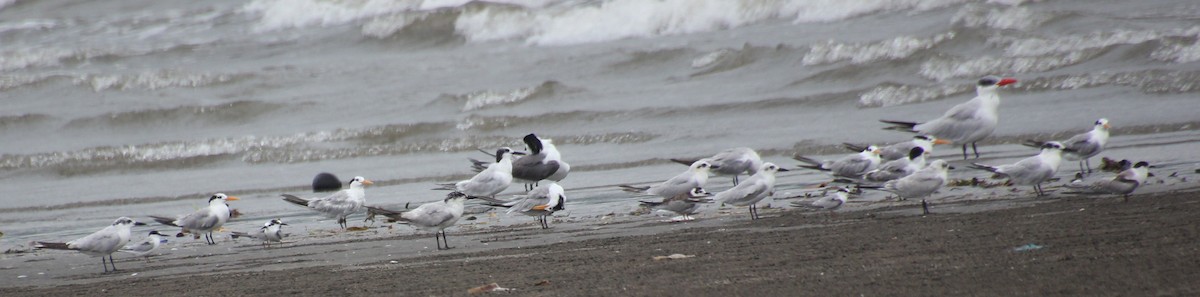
(103, 240)
(429, 215)
(144, 246)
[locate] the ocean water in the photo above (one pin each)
(140, 107)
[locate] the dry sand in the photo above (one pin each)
(1075, 246)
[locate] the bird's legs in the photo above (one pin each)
(924, 207)
(975, 149)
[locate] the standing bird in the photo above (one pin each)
(99, 244)
(433, 217)
(829, 203)
(541, 202)
(734, 161)
(900, 150)
(898, 168)
(1084, 145)
(204, 220)
(920, 184)
(543, 162)
(491, 181)
(685, 204)
(270, 232)
(966, 123)
(340, 204)
(754, 189)
(144, 247)
(1031, 171)
(1122, 184)
(695, 177)
(852, 166)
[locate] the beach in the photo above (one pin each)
(1047, 247)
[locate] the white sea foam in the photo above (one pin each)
(858, 53)
(1079, 42)
(153, 80)
(1017, 18)
(891, 95)
(943, 68)
(548, 22)
(1178, 52)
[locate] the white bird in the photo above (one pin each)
(754, 189)
(900, 150)
(433, 217)
(541, 202)
(852, 166)
(734, 161)
(695, 177)
(966, 123)
(829, 203)
(1031, 171)
(920, 184)
(271, 232)
(204, 220)
(147, 245)
(898, 168)
(340, 204)
(1083, 146)
(685, 204)
(99, 244)
(1122, 184)
(491, 181)
(543, 162)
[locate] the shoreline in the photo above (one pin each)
(1080, 246)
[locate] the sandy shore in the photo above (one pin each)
(1072, 246)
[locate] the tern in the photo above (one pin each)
(1083, 146)
(541, 202)
(852, 166)
(1031, 171)
(1122, 184)
(204, 220)
(685, 204)
(898, 168)
(734, 161)
(920, 184)
(338, 205)
(433, 217)
(752, 190)
(695, 177)
(900, 150)
(491, 181)
(99, 244)
(147, 245)
(966, 123)
(271, 232)
(829, 203)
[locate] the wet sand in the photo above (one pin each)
(1072, 246)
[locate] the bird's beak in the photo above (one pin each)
(519, 153)
(950, 167)
(283, 224)
(367, 182)
(713, 167)
(1107, 126)
(231, 198)
(783, 169)
(877, 151)
(941, 141)
(139, 224)
(1006, 81)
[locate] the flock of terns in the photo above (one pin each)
(901, 169)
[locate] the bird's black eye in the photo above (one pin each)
(988, 81)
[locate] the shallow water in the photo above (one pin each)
(144, 107)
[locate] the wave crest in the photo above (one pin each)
(860, 53)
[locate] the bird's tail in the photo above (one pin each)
(478, 165)
(633, 189)
(236, 234)
(51, 245)
(687, 162)
(395, 215)
(295, 200)
(650, 203)
(900, 125)
(1033, 143)
(494, 202)
(854, 147)
(164, 220)
(447, 186)
(984, 167)
(812, 164)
